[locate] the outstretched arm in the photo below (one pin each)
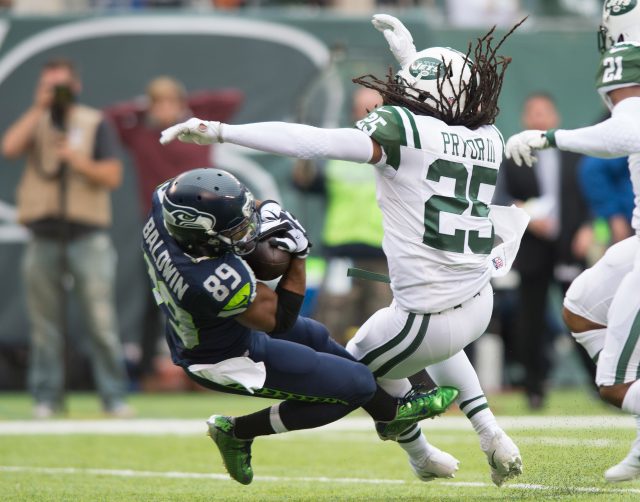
(617, 136)
(291, 140)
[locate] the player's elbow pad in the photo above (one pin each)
(287, 311)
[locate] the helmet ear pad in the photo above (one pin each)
(439, 77)
(203, 209)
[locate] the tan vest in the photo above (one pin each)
(39, 195)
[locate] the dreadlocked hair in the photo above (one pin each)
(479, 94)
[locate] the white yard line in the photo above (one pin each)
(154, 427)
(128, 473)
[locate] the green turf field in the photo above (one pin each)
(565, 450)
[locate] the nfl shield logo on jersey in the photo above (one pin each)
(498, 263)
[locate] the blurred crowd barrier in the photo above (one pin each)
(288, 65)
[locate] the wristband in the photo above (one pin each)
(289, 304)
(550, 134)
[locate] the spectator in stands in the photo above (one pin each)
(139, 124)
(555, 244)
(64, 199)
(352, 231)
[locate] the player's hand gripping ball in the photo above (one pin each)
(267, 261)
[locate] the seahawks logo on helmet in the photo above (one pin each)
(426, 68)
(187, 217)
(619, 7)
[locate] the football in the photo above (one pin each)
(268, 262)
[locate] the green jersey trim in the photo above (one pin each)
(392, 149)
(391, 127)
(414, 139)
(500, 136)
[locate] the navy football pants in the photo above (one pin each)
(306, 365)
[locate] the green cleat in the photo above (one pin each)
(417, 405)
(236, 453)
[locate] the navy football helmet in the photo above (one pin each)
(209, 213)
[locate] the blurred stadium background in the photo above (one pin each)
(291, 60)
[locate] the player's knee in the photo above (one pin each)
(319, 335)
(576, 323)
(363, 384)
(613, 394)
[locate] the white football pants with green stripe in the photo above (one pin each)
(591, 293)
(396, 344)
(619, 360)
(607, 294)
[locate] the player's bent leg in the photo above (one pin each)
(614, 394)
(317, 388)
(502, 454)
(411, 408)
(396, 344)
(578, 324)
(588, 299)
(314, 334)
(619, 363)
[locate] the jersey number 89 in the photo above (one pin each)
(214, 285)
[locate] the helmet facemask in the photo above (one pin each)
(242, 239)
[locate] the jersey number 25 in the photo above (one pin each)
(464, 194)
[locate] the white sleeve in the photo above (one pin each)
(301, 141)
(617, 136)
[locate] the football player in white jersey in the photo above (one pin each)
(602, 306)
(436, 155)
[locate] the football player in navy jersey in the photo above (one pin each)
(234, 334)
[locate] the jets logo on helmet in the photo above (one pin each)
(619, 7)
(437, 73)
(620, 23)
(425, 68)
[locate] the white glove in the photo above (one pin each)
(198, 131)
(294, 240)
(520, 147)
(271, 220)
(398, 37)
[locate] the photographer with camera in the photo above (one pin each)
(64, 199)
